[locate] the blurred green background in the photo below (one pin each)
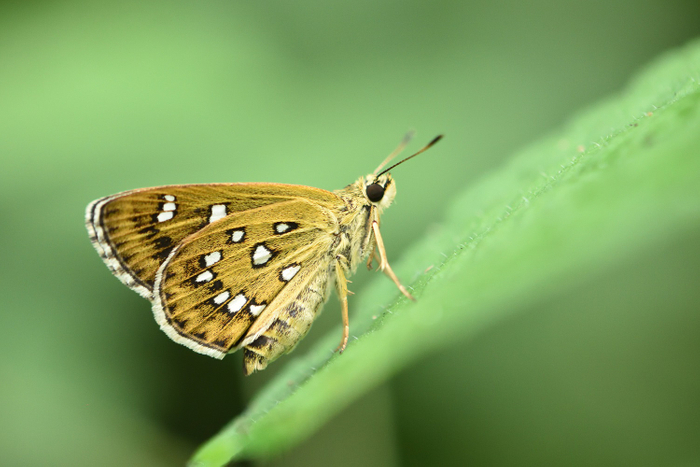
(99, 98)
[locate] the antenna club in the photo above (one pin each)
(435, 140)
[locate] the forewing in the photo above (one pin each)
(134, 232)
(216, 283)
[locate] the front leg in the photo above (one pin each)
(373, 253)
(384, 263)
(341, 284)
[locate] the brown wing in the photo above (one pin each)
(216, 283)
(135, 231)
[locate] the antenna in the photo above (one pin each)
(435, 140)
(406, 139)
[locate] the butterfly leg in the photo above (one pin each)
(342, 286)
(371, 258)
(384, 263)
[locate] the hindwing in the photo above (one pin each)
(216, 283)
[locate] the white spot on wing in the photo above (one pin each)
(261, 255)
(169, 209)
(255, 310)
(212, 258)
(222, 297)
(237, 303)
(206, 276)
(281, 227)
(165, 216)
(289, 272)
(237, 236)
(218, 211)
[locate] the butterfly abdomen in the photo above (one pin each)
(290, 326)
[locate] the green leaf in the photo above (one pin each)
(617, 180)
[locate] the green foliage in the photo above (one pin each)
(619, 179)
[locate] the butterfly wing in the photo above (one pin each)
(134, 232)
(216, 283)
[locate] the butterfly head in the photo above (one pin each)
(379, 190)
(378, 187)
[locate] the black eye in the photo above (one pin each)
(375, 192)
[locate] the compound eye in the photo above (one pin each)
(375, 192)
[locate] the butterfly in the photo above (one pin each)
(244, 265)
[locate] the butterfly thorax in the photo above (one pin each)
(356, 239)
